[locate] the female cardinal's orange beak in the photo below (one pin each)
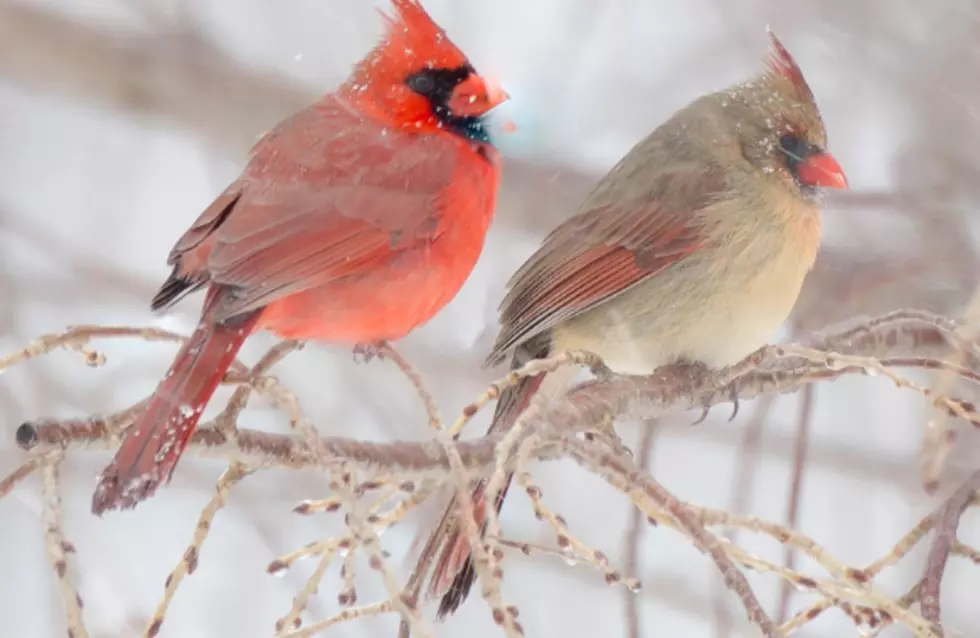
(821, 170)
(475, 96)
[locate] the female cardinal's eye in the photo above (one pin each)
(794, 147)
(421, 83)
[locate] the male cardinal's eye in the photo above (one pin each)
(421, 83)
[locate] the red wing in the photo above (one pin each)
(326, 195)
(265, 255)
(204, 225)
(603, 251)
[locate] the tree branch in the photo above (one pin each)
(947, 520)
(415, 470)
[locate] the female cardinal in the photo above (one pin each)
(692, 249)
(355, 221)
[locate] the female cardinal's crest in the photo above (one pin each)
(782, 64)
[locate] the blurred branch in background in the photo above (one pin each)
(178, 76)
(402, 475)
(173, 75)
(634, 624)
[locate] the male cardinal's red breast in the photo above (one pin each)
(691, 250)
(355, 221)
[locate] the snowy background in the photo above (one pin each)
(121, 120)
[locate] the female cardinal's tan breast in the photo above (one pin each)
(717, 305)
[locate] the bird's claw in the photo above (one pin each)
(704, 414)
(601, 371)
(594, 363)
(732, 396)
(365, 352)
(733, 389)
(696, 370)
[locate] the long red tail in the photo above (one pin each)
(454, 573)
(153, 445)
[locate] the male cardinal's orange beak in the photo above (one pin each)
(475, 96)
(821, 170)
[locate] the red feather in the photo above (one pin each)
(153, 445)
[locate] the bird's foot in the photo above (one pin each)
(601, 371)
(695, 375)
(596, 366)
(732, 390)
(365, 352)
(606, 433)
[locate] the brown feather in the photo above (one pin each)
(782, 64)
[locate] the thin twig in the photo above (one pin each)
(346, 615)
(898, 551)
(623, 473)
(967, 552)
(77, 338)
(632, 559)
(228, 418)
(14, 478)
(362, 533)
(188, 562)
(853, 584)
(745, 472)
(533, 367)
(938, 437)
(58, 548)
(484, 561)
(327, 550)
(572, 549)
(947, 520)
(388, 351)
(796, 487)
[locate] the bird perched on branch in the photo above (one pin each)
(355, 221)
(692, 250)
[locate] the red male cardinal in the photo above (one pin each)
(355, 221)
(691, 250)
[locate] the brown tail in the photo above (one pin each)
(153, 445)
(454, 573)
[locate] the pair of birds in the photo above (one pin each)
(358, 218)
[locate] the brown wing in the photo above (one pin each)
(325, 196)
(604, 250)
